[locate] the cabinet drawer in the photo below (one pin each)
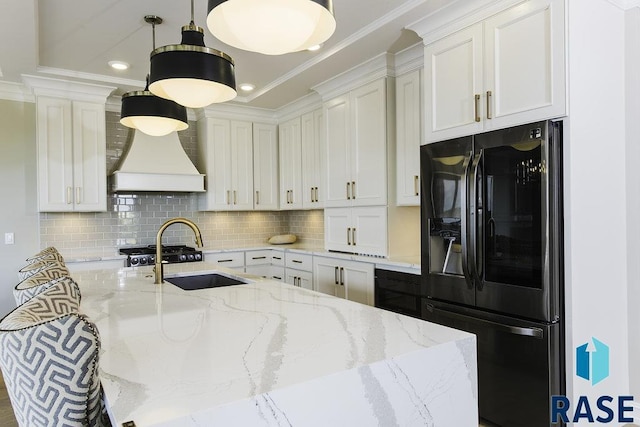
(277, 258)
(299, 261)
(258, 257)
(227, 259)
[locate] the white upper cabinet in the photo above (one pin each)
(507, 70)
(290, 142)
(408, 137)
(226, 157)
(360, 230)
(71, 155)
(313, 160)
(265, 167)
(355, 129)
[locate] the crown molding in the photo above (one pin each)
(373, 69)
(625, 4)
(299, 107)
(46, 86)
(409, 59)
(457, 15)
(12, 91)
(77, 75)
(237, 112)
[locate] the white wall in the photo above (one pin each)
(595, 190)
(633, 194)
(18, 199)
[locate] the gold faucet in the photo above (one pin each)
(158, 265)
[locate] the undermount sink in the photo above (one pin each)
(203, 281)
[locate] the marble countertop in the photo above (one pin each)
(268, 353)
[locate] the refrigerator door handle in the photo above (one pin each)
(464, 218)
(537, 333)
(473, 222)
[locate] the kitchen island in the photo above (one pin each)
(267, 353)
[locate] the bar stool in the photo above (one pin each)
(39, 282)
(49, 359)
(38, 266)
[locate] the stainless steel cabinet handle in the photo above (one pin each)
(335, 275)
(353, 189)
(235, 197)
(342, 276)
(349, 236)
(416, 184)
(317, 197)
(353, 236)
(348, 191)
(489, 104)
(69, 195)
(515, 330)
(257, 197)
(312, 199)
(78, 195)
(477, 107)
(228, 197)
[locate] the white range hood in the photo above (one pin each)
(156, 163)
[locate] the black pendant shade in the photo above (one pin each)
(151, 114)
(190, 73)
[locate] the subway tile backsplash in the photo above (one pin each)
(134, 219)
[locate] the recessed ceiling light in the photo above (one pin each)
(119, 65)
(247, 87)
(314, 47)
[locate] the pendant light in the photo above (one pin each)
(148, 113)
(271, 27)
(190, 73)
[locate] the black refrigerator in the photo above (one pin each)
(491, 210)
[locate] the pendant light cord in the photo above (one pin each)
(192, 21)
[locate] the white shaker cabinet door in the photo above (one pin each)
(358, 279)
(290, 146)
(408, 137)
(369, 230)
(326, 277)
(338, 135)
(524, 77)
(265, 167)
(313, 160)
(368, 148)
(242, 161)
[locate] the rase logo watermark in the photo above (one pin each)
(592, 364)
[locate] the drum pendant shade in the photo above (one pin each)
(190, 73)
(271, 27)
(151, 114)
(148, 113)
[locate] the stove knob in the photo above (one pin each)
(152, 259)
(190, 257)
(183, 257)
(134, 261)
(143, 261)
(198, 257)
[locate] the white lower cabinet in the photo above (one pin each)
(352, 280)
(227, 259)
(361, 230)
(266, 263)
(299, 269)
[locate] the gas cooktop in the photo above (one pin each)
(146, 255)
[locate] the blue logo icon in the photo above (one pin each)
(592, 361)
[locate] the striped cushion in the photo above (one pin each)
(32, 286)
(49, 359)
(31, 269)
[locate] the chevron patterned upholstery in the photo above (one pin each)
(31, 269)
(49, 360)
(39, 282)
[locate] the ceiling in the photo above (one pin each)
(75, 39)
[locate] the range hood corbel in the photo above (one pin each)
(155, 164)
